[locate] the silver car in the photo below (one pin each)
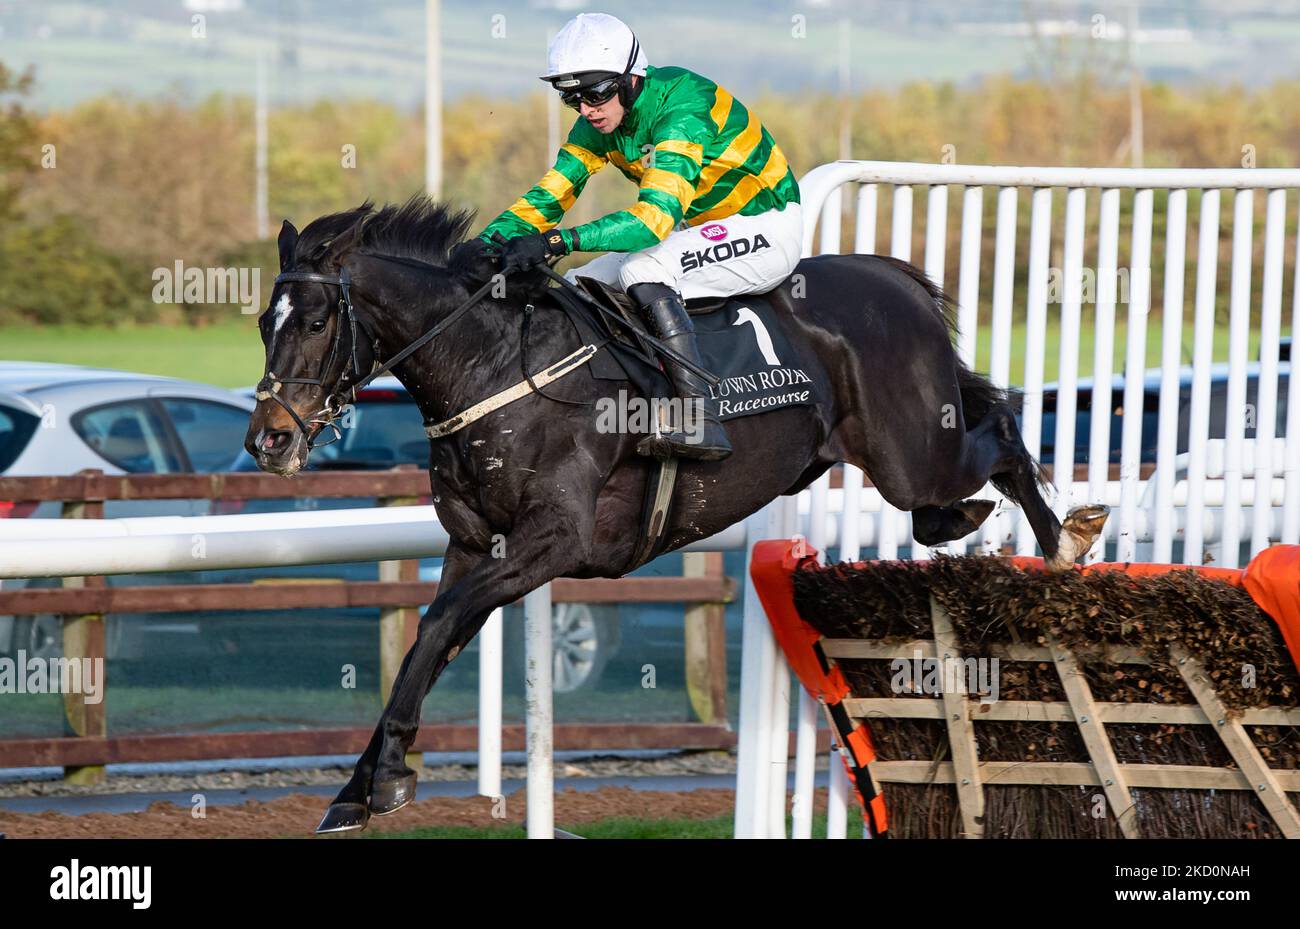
(58, 419)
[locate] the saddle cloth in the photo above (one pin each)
(741, 340)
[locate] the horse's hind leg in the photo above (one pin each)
(996, 452)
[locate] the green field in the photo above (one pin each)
(229, 354)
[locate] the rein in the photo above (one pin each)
(344, 394)
(268, 388)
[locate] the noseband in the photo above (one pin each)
(268, 388)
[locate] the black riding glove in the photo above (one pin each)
(527, 251)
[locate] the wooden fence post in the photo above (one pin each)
(706, 644)
(961, 732)
(83, 637)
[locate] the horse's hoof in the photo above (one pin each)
(1079, 530)
(390, 796)
(343, 817)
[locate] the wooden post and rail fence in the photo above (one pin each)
(85, 602)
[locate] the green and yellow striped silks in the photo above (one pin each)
(695, 152)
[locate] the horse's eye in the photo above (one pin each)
(317, 326)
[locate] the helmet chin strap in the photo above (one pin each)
(630, 89)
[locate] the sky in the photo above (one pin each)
(322, 48)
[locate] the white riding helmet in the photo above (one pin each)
(592, 42)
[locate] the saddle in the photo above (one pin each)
(740, 339)
(629, 357)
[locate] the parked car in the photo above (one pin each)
(57, 419)
(1151, 410)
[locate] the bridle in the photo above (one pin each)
(268, 388)
(337, 401)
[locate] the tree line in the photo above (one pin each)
(95, 197)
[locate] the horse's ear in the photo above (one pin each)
(339, 247)
(288, 241)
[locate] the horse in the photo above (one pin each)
(532, 491)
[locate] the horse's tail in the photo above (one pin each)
(979, 395)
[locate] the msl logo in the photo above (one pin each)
(722, 251)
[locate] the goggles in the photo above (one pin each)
(592, 95)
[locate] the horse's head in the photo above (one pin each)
(316, 348)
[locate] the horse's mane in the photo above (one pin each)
(420, 228)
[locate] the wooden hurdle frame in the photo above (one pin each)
(1103, 770)
(814, 659)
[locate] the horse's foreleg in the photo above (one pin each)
(351, 808)
(382, 783)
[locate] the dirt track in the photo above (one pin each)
(297, 815)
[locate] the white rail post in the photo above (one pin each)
(1103, 363)
(539, 660)
(1134, 375)
(1266, 397)
(1170, 345)
(490, 680)
(900, 246)
(757, 682)
(1067, 394)
(1040, 245)
(1238, 357)
(1291, 504)
(1198, 421)
(1004, 281)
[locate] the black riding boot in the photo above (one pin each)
(667, 317)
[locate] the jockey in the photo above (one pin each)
(717, 213)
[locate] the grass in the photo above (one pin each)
(229, 353)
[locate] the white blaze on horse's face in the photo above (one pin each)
(282, 310)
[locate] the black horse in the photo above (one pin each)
(874, 333)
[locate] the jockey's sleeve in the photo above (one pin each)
(667, 187)
(547, 201)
